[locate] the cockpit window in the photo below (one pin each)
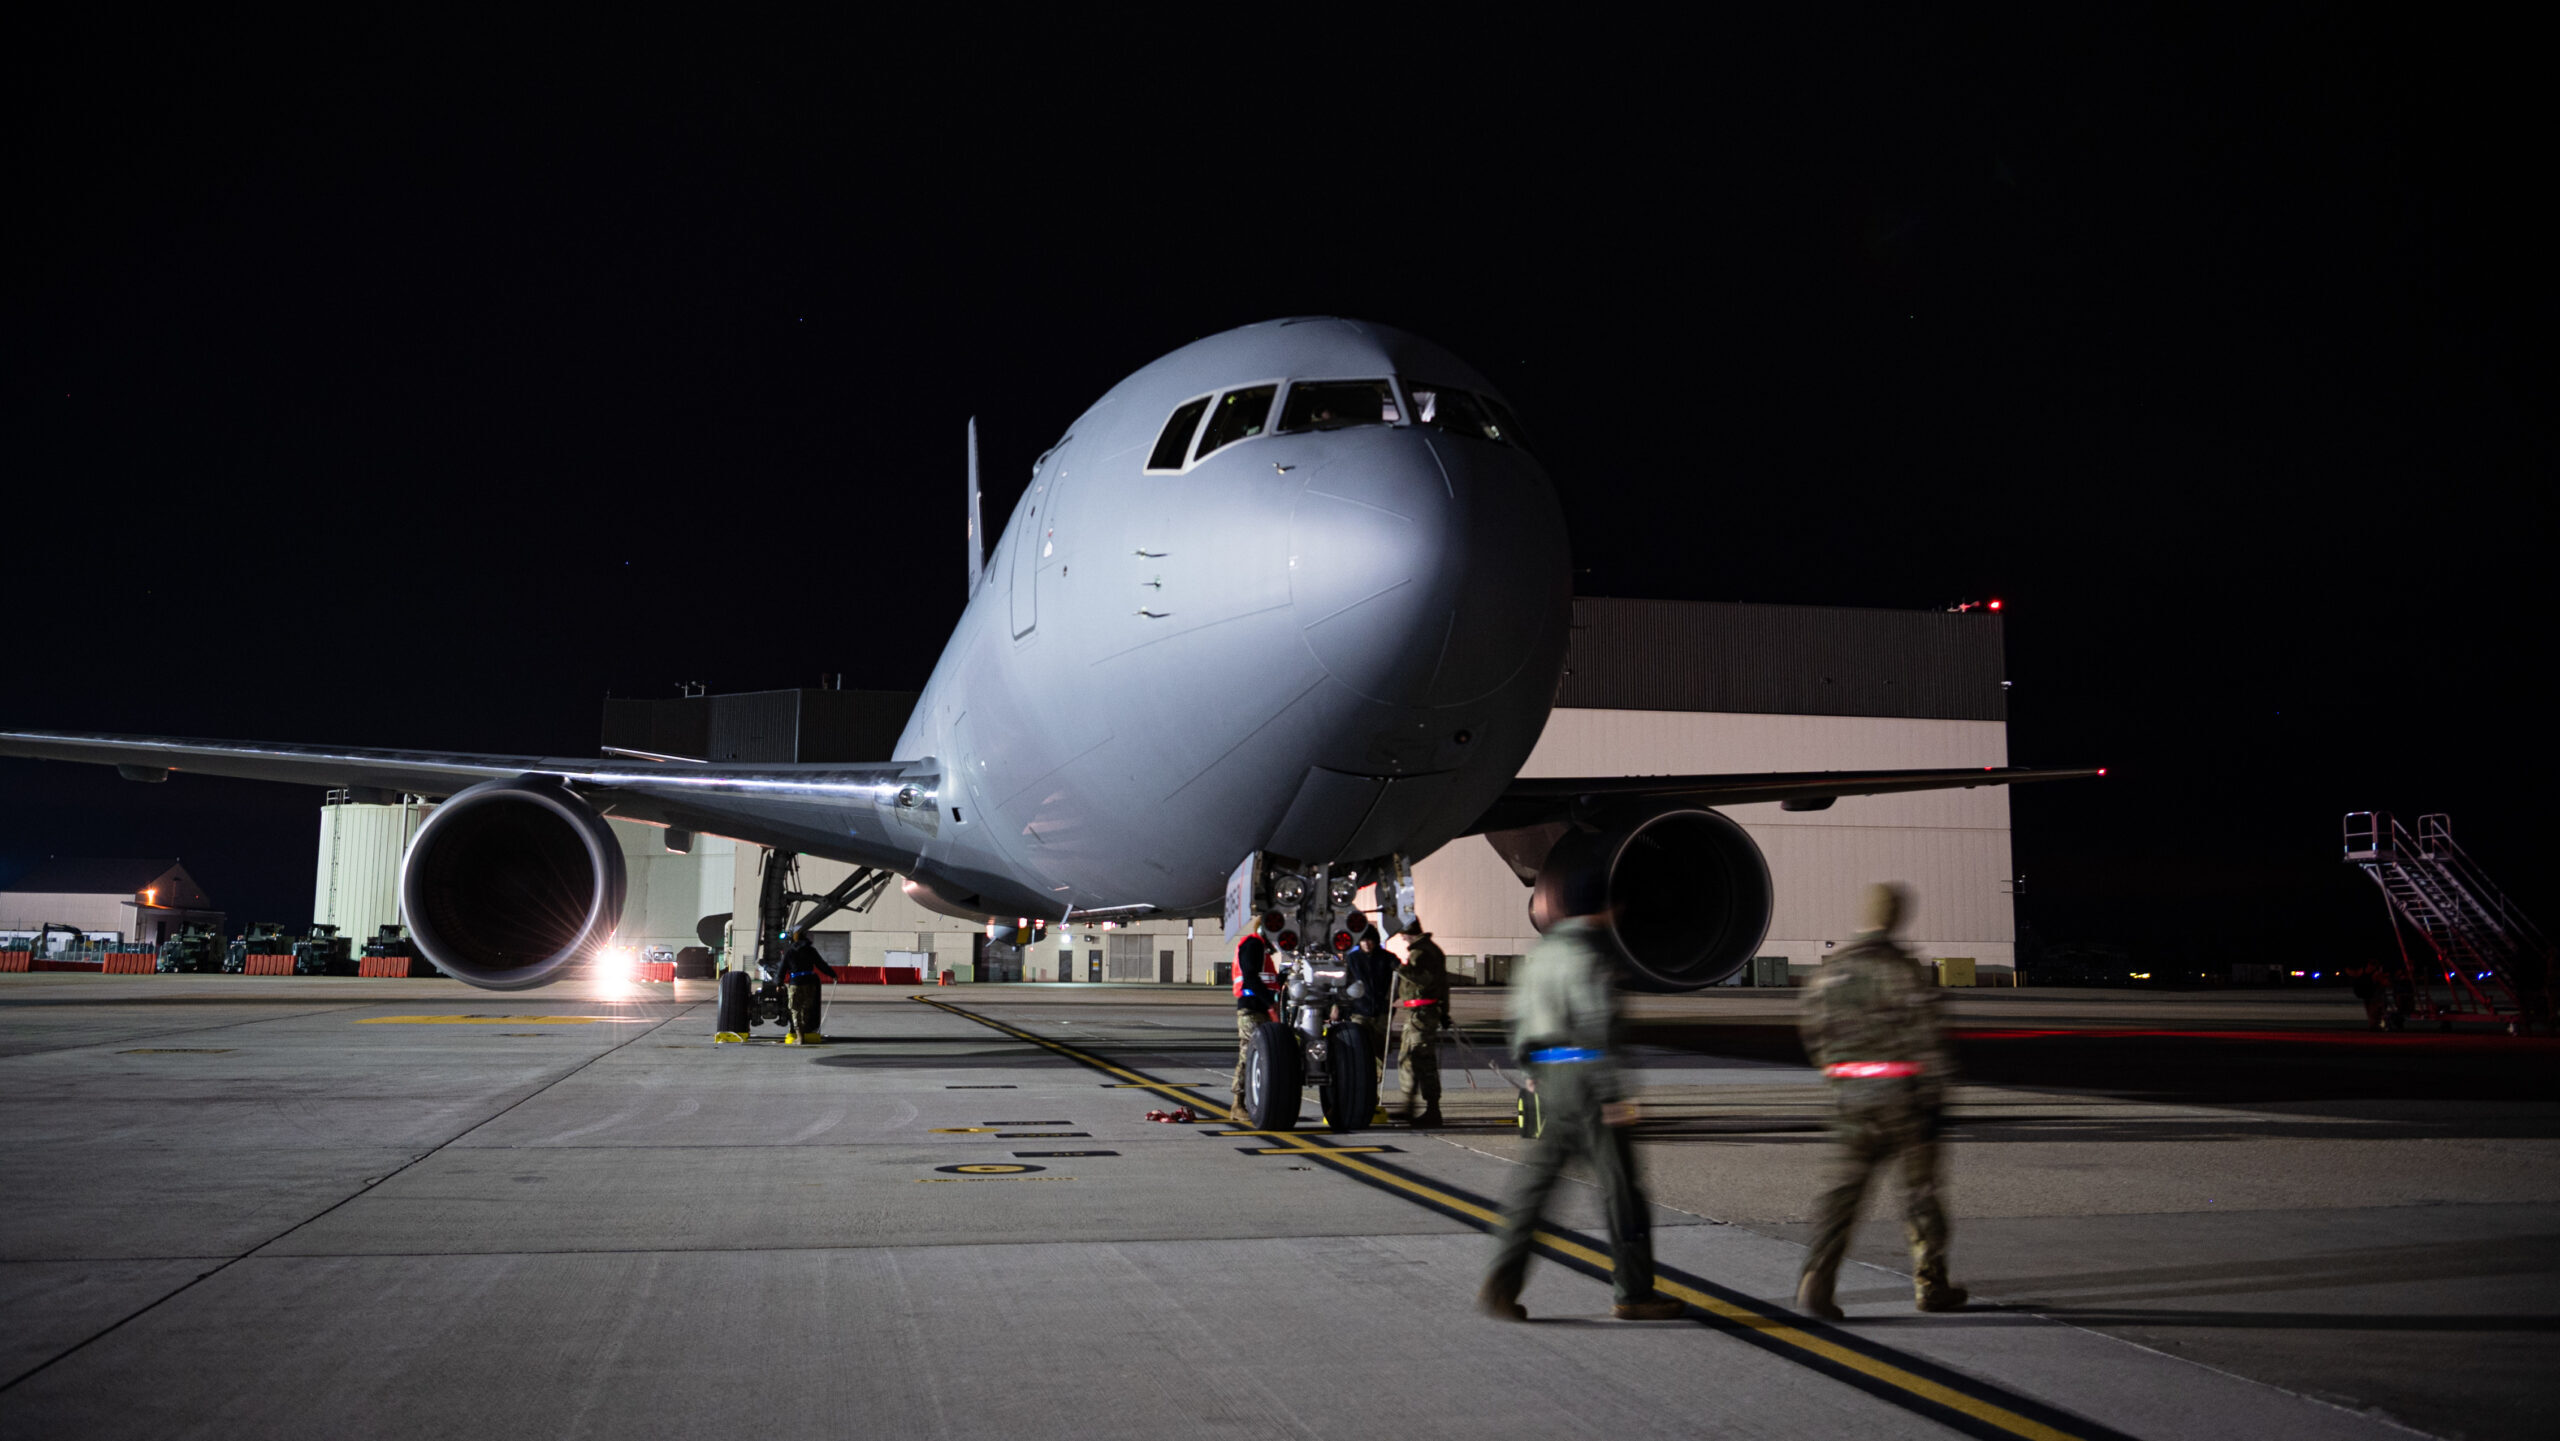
(1333, 404)
(1238, 415)
(1177, 435)
(1448, 408)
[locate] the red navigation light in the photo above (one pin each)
(1342, 940)
(2102, 770)
(1288, 940)
(1995, 605)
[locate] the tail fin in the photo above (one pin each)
(977, 527)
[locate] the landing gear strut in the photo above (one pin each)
(774, 899)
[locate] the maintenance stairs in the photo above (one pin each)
(2493, 963)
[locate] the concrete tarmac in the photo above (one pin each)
(290, 1206)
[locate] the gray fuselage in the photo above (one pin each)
(1331, 643)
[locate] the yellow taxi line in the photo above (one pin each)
(1761, 1323)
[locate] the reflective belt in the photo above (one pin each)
(1562, 1055)
(1413, 1005)
(1868, 1070)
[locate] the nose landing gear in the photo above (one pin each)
(1317, 1040)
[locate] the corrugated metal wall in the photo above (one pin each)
(668, 894)
(358, 885)
(1784, 660)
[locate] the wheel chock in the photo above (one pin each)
(791, 1040)
(724, 1038)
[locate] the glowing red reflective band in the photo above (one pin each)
(1417, 1003)
(1866, 1070)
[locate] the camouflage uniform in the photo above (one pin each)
(1254, 1000)
(802, 996)
(1873, 1004)
(1423, 978)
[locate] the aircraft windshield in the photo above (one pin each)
(1333, 404)
(1448, 408)
(1238, 415)
(1177, 436)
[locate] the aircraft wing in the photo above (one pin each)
(1553, 800)
(794, 807)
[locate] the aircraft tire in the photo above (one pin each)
(1350, 1091)
(1274, 1074)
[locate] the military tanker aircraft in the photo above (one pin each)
(1280, 614)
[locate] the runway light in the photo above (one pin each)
(1995, 605)
(2102, 770)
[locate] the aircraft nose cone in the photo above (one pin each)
(1426, 570)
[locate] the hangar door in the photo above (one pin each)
(1132, 957)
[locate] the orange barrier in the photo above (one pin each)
(267, 966)
(657, 970)
(14, 960)
(380, 967)
(902, 975)
(132, 963)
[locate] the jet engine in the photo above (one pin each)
(1690, 889)
(509, 881)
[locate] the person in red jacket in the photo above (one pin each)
(1257, 994)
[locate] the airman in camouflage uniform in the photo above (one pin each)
(1871, 1022)
(1422, 999)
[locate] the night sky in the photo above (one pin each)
(399, 386)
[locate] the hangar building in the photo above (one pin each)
(1651, 688)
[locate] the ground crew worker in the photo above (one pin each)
(801, 967)
(1564, 1021)
(2372, 985)
(1256, 990)
(1368, 963)
(1422, 999)
(1871, 1022)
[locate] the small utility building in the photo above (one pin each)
(139, 901)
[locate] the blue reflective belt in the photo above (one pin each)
(1559, 1055)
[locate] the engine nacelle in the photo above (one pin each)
(509, 881)
(1691, 892)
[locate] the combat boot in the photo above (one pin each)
(1658, 1308)
(1930, 1290)
(1430, 1120)
(1499, 1306)
(1813, 1298)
